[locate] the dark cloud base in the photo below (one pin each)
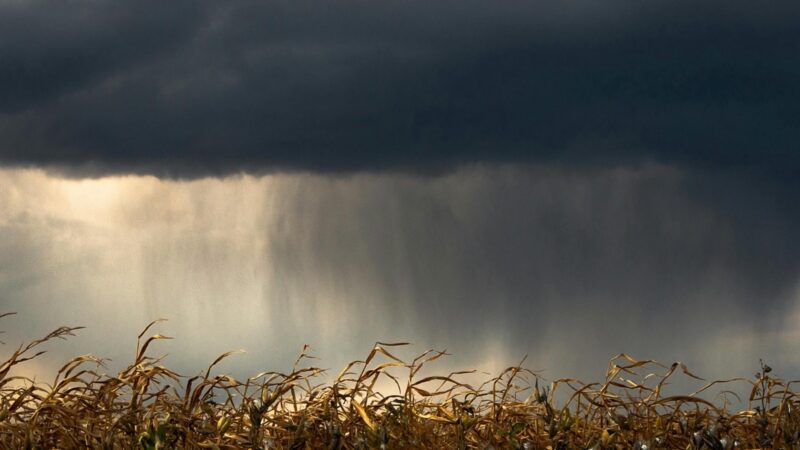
(201, 89)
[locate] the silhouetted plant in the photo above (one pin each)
(148, 406)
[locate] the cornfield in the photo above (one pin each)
(148, 406)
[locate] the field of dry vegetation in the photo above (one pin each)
(148, 406)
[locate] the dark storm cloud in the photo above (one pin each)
(200, 89)
(48, 49)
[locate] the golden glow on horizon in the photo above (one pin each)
(119, 251)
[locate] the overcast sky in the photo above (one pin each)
(565, 179)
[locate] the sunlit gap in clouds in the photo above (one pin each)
(489, 262)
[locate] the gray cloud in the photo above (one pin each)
(209, 89)
(50, 49)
